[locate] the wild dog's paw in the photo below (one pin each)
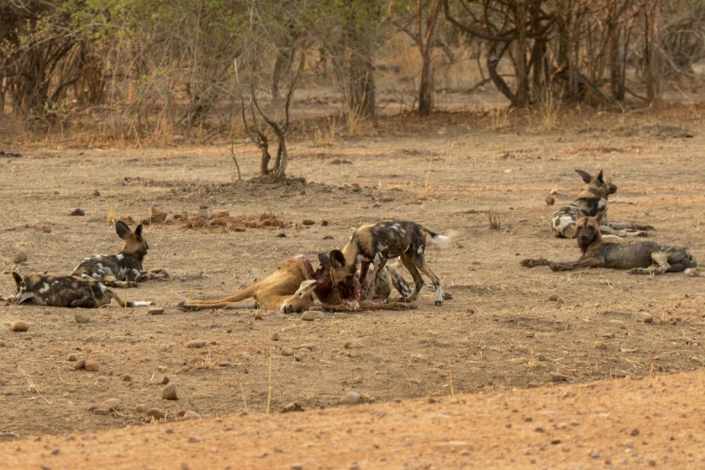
(438, 303)
(559, 267)
(638, 271)
(644, 227)
(643, 234)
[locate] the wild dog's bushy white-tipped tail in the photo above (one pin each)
(442, 241)
(139, 303)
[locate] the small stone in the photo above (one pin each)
(190, 415)
(126, 378)
(297, 466)
(258, 316)
(165, 380)
(20, 257)
(196, 344)
(96, 193)
(19, 326)
(350, 398)
(311, 315)
(287, 351)
(78, 212)
(155, 413)
(281, 235)
(291, 407)
(78, 365)
(550, 200)
(634, 433)
(110, 404)
(155, 311)
(169, 392)
(81, 318)
(308, 222)
(553, 297)
(555, 441)
(600, 345)
(141, 408)
(92, 365)
(72, 358)
(193, 440)
(56, 451)
(274, 336)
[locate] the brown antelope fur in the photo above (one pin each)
(65, 291)
(295, 287)
(590, 201)
(392, 239)
(639, 256)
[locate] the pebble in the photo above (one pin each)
(92, 365)
(78, 212)
(311, 315)
(169, 392)
(165, 380)
(553, 297)
(308, 222)
(307, 346)
(79, 364)
(281, 235)
(350, 398)
(20, 257)
(81, 318)
(290, 407)
(196, 344)
(287, 351)
(155, 413)
(550, 200)
(72, 358)
(600, 345)
(275, 336)
(19, 326)
(141, 408)
(258, 316)
(297, 466)
(155, 311)
(126, 378)
(190, 415)
(100, 381)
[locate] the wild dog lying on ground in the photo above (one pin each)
(124, 269)
(639, 256)
(65, 291)
(295, 287)
(591, 200)
(392, 239)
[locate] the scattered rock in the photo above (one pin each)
(297, 466)
(72, 358)
(141, 408)
(78, 213)
(164, 381)
(287, 351)
(155, 413)
(8, 436)
(78, 365)
(258, 316)
(307, 346)
(311, 315)
(193, 440)
(81, 318)
(126, 378)
(190, 415)
(553, 297)
(20, 257)
(634, 433)
(274, 336)
(169, 392)
(600, 345)
(19, 326)
(550, 200)
(290, 407)
(196, 344)
(308, 222)
(155, 311)
(281, 235)
(350, 398)
(91, 365)
(96, 193)
(107, 406)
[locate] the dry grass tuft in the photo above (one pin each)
(494, 219)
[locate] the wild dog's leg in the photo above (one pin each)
(532, 263)
(197, 305)
(610, 232)
(408, 262)
(423, 266)
(661, 266)
(364, 267)
(594, 262)
(380, 262)
(399, 283)
(87, 302)
(629, 226)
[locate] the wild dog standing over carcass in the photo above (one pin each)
(66, 291)
(124, 269)
(639, 256)
(295, 287)
(392, 239)
(591, 200)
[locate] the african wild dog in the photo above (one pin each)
(639, 256)
(125, 268)
(591, 200)
(392, 239)
(295, 287)
(65, 291)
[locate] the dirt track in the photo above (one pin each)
(500, 332)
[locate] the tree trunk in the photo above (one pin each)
(521, 99)
(425, 42)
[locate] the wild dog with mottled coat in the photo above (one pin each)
(391, 239)
(639, 256)
(65, 291)
(124, 269)
(591, 200)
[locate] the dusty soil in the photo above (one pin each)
(500, 333)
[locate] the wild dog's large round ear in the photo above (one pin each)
(337, 259)
(138, 232)
(17, 278)
(584, 175)
(600, 216)
(122, 229)
(601, 177)
(324, 260)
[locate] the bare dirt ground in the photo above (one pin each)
(500, 333)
